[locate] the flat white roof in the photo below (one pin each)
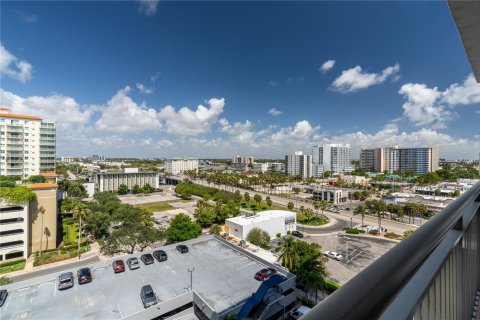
(261, 217)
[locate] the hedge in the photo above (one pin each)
(11, 263)
(331, 286)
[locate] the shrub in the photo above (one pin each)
(352, 231)
(374, 232)
(393, 235)
(258, 237)
(279, 235)
(11, 263)
(331, 286)
(289, 232)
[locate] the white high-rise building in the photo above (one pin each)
(331, 157)
(298, 164)
(177, 166)
(27, 145)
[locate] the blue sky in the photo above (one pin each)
(213, 79)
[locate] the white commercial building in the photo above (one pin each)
(247, 160)
(27, 145)
(276, 166)
(298, 164)
(330, 194)
(110, 181)
(260, 167)
(177, 166)
(14, 222)
(335, 158)
(271, 221)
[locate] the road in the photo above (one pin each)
(344, 217)
(57, 269)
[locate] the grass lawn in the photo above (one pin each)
(15, 267)
(160, 205)
(70, 233)
(314, 221)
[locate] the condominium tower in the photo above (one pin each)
(335, 158)
(298, 164)
(416, 160)
(176, 166)
(27, 145)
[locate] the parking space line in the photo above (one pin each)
(8, 300)
(120, 311)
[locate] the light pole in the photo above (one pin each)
(351, 222)
(191, 277)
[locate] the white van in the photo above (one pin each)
(298, 312)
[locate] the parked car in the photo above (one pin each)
(148, 296)
(182, 248)
(147, 258)
(160, 255)
(298, 312)
(334, 255)
(264, 274)
(297, 234)
(65, 281)
(118, 266)
(133, 263)
(3, 296)
(395, 217)
(84, 275)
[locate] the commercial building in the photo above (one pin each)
(416, 160)
(24, 227)
(330, 194)
(177, 165)
(247, 160)
(276, 167)
(110, 181)
(335, 158)
(27, 145)
(260, 167)
(272, 221)
(298, 164)
(213, 280)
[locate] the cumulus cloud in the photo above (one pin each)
(188, 122)
(356, 79)
(148, 7)
(430, 106)
(14, 68)
(326, 66)
(274, 112)
(122, 114)
(144, 89)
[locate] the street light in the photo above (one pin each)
(191, 277)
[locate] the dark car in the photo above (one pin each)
(264, 274)
(118, 266)
(182, 248)
(133, 263)
(3, 296)
(65, 281)
(160, 255)
(147, 258)
(297, 234)
(84, 275)
(148, 296)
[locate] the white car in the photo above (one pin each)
(334, 255)
(296, 313)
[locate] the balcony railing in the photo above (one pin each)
(432, 274)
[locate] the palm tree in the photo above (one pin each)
(258, 199)
(316, 205)
(76, 189)
(361, 210)
(41, 211)
(80, 212)
(288, 253)
(323, 204)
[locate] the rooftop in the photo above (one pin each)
(49, 174)
(42, 185)
(18, 116)
(261, 217)
(223, 277)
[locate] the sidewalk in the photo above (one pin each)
(94, 251)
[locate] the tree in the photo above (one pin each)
(147, 188)
(437, 192)
(258, 199)
(310, 267)
(97, 223)
(80, 212)
(205, 213)
(290, 205)
(323, 204)
(360, 210)
(129, 238)
(258, 237)
(456, 193)
(17, 195)
(182, 228)
(122, 189)
(237, 196)
(269, 202)
(36, 179)
(136, 189)
(247, 196)
(288, 253)
(76, 189)
(215, 229)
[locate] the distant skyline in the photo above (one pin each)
(216, 79)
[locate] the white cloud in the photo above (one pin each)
(274, 112)
(326, 66)
(273, 83)
(11, 67)
(356, 79)
(62, 109)
(155, 77)
(188, 122)
(122, 114)
(144, 89)
(148, 7)
(26, 17)
(429, 106)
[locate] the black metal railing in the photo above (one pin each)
(432, 274)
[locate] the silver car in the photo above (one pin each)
(65, 281)
(334, 255)
(133, 263)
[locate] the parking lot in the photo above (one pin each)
(357, 252)
(222, 277)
